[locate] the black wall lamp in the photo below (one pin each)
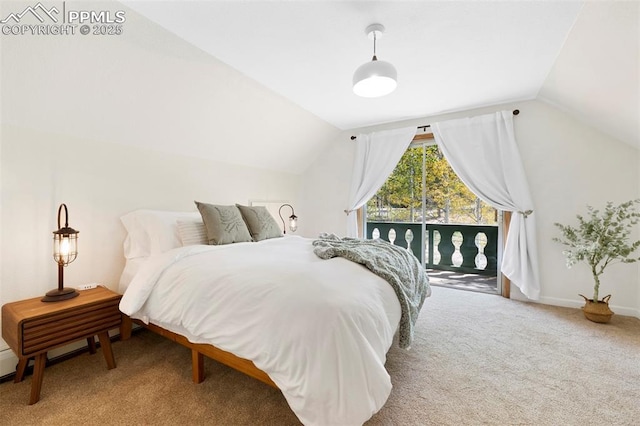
(293, 219)
(65, 250)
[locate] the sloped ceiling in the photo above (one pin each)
(149, 89)
(596, 77)
(450, 56)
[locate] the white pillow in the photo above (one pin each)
(192, 232)
(151, 232)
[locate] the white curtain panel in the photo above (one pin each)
(377, 154)
(483, 152)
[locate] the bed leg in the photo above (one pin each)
(125, 327)
(197, 366)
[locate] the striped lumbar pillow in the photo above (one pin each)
(192, 232)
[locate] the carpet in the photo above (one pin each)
(477, 359)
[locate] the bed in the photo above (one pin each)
(316, 329)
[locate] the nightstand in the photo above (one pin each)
(31, 328)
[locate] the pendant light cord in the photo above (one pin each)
(374, 47)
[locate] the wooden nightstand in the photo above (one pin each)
(32, 327)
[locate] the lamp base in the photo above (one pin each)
(58, 295)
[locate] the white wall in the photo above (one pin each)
(596, 72)
(99, 182)
(568, 163)
(571, 164)
(112, 124)
(148, 88)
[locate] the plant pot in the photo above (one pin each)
(597, 311)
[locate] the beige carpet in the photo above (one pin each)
(478, 359)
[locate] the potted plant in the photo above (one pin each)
(602, 238)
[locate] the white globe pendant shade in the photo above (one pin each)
(375, 79)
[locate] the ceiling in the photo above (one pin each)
(450, 55)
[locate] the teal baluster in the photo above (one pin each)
(416, 245)
(468, 248)
(446, 247)
(491, 249)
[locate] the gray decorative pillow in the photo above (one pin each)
(260, 222)
(224, 224)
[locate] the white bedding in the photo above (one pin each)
(319, 328)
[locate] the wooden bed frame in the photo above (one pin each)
(198, 351)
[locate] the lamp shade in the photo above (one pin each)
(65, 245)
(374, 79)
(293, 223)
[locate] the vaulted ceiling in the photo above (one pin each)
(582, 57)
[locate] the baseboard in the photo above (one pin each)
(8, 360)
(578, 303)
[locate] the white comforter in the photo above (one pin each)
(319, 328)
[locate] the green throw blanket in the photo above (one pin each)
(397, 265)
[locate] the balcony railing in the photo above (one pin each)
(450, 247)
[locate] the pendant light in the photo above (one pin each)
(375, 78)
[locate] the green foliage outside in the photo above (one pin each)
(448, 200)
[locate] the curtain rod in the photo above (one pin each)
(515, 112)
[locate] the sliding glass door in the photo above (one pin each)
(424, 207)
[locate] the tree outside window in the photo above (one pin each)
(448, 200)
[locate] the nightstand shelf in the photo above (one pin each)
(31, 328)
